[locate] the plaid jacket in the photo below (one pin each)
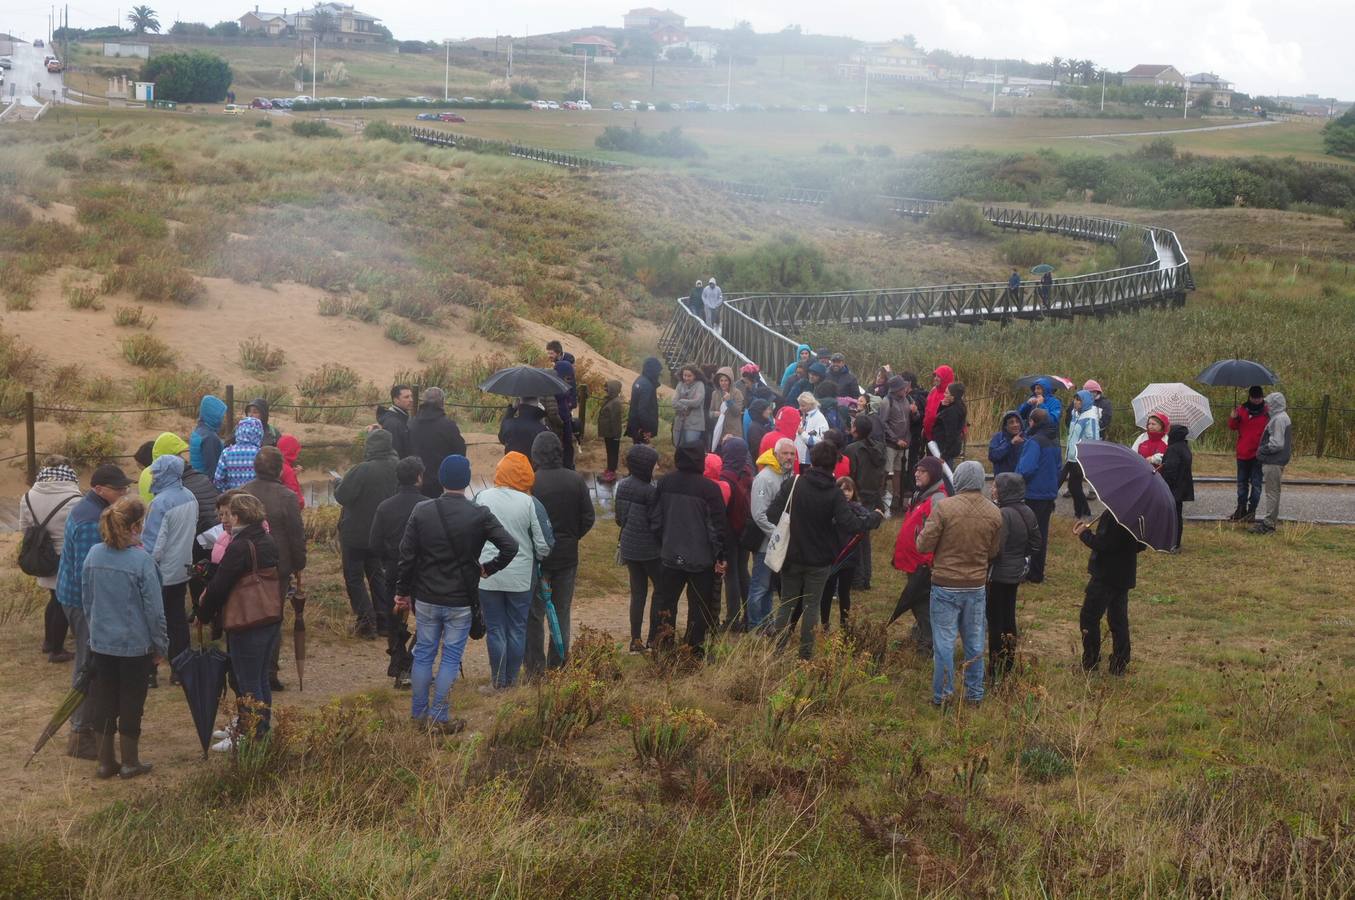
(81, 534)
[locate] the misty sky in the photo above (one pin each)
(1294, 47)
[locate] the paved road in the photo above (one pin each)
(1261, 123)
(1303, 504)
(29, 79)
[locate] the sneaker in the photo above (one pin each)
(61, 656)
(637, 646)
(224, 745)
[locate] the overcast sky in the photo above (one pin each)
(1294, 47)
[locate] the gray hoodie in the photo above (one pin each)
(1020, 530)
(1277, 442)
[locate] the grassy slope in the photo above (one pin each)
(1221, 766)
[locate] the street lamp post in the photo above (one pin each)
(447, 70)
(585, 76)
(315, 49)
(1103, 90)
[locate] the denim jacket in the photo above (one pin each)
(121, 594)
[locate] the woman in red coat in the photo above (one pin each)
(917, 592)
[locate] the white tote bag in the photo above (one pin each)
(779, 542)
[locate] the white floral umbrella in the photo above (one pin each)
(1179, 403)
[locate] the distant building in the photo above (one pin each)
(1154, 76)
(668, 35)
(649, 19)
(118, 48)
(269, 24)
(592, 45)
(1220, 91)
(704, 51)
(892, 61)
(348, 25)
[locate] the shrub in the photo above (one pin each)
(194, 77)
(783, 264)
(959, 218)
(1129, 247)
(667, 737)
(633, 140)
(154, 279)
(147, 351)
(63, 159)
(527, 90)
(377, 130)
(89, 444)
(82, 296)
(1026, 250)
(402, 332)
(330, 305)
(257, 356)
(568, 701)
(1349, 219)
(495, 323)
(174, 387)
(309, 128)
(329, 380)
(1044, 764)
(263, 123)
(18, 302)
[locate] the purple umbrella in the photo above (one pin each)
(1132, 491)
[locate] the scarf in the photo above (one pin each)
(58, 473)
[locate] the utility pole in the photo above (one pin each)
(585, 76)
(729, 82)
(1185, 102)
(1103, 90)
(994, 109)
(865, 103)
(315, 49)
(510, 57)
(447, 70)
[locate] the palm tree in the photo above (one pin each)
(1056, 63)
(143, 20)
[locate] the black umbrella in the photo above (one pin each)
(1237, 373)
(524, 381)
(202, 673)
(397, 648)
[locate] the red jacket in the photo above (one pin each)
(906, 555)
(1249, 429)
(947, 376)
(290, 447)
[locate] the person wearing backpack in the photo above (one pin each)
(42, 520)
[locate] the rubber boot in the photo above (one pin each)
(81, 745)
(1239, 514)
(108, 763)
(132, 766)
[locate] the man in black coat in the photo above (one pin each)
(388, 527)
(569, 506)
(687, 517)
(840, 375)
(819, 515)
(1113, 568)
(521, 425)
(395, 418)
(360, 492)
(642, 421)
(433, 438)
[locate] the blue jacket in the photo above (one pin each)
(204, 444)
(1051, 403)
(1002, 453)
(790, 369)
(122, 601)
(171, 523)
(1040, 463)
(1085, 426)
(82, 533)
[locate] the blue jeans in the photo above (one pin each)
(1249, 482)
(957, 611)
(759, 592)
(251, 655)
(450, 627)
(505, 615)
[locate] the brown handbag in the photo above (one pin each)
(255, 599)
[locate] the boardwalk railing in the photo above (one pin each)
(762, 328)
(439, 138)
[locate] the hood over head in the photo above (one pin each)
(1011, 489)
(788, 421)
(803, 348)
(714, 465)
(1275, 403)
(641, 460)
(932, 466)
(1008, 416)
(734, 455)
(725, 371)
(514, 471)
(757, 408)
(968, 476)
(167, 444)
(166, 472)
(1161, 417)
(249, 430)
(613, 388)
(380, 445)
(1088, 401)
(652, 369)
(1178, 434)
(946, 374)
(290, 448)
(261, 405)
(896, 383)
(1045, 384)
(212, 411)
(690, 458)
(768, 460)
(1091, 384)
(547, 451)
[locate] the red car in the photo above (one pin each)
(451, 117)
(260, 103)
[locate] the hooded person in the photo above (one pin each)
(826, 393)
(506, 596)
(569, 506)
(258, 408)
(712, 299)
(290, 448)
(929, 488)
(964, 534)
(520, 426)
(1273, 453)
(171, 525)
(866, 463)
(711, 470)
(167, 444)
(642, 420)
(804, 355)
(204, 444)
(1020, 541)
(567, 403)
(1042, 395)
(898, 414)
(388, 528)
(1004, 450)
(942, 377)
(1113, 571)
(1152, 444)
(694, 300)
(610, 428)
(775, 466)
(725, 402)
(688, 521)
(758, 417)
(1039, 465)
(638, 549)
(361, 490)
(1249, 421)
(1085, 426)
(433, 436)
(1177, 465)
(786, 425)
(235, 468)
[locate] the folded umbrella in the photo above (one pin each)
(298, 598)
(524, 381)
(69, 704)
(202, 674)
(1183, 405)
(1132, 491)
(1239, 373)
(397, 648)
(552, 617)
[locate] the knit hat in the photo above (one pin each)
(968, 476)
(1091, 384)
(1255, 393)
(750, 369)
(454, 473)
(818, 369)
(514, 471)
(932, 466)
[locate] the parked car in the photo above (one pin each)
(618, 106)
(539, 104)
(303, 98)
(419, 99)
(426, 117)
(282, 103)
(551, 104)
(451, 117)
(584, 105)
(38, 43)
(232, 109)
(260, 103)
(571, 104)
(6, 62)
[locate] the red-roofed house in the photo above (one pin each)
(1154, 76)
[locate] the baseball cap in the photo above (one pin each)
(109, 475)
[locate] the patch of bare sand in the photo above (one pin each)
(61, 213)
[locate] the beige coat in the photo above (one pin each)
(45, 495)
(964, 532)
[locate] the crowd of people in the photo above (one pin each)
(773, 493)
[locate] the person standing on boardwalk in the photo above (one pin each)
(712, 300)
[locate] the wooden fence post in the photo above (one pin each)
(583, 408)
(230, 409)
(31, 444)
(1322, 413)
